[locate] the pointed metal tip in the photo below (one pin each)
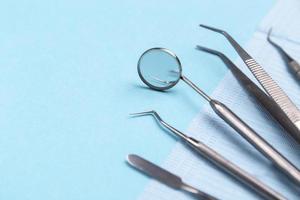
(205, 26)
(211, 51)
(269, 36)
(160, 121)
(197, 47)
(269, 32)
(153, 113)
(150, 112)
(271, 29)
(213, 29)
(201, 48)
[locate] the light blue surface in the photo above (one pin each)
(69, 80)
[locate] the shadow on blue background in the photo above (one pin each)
(69, 80)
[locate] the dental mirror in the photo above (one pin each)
(159, 68)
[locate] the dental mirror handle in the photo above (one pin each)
(234, 170)
(257, 141)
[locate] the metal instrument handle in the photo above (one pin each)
(295, 67)
(234, 170)
(203, 196)
(256, 140)
(198, 194)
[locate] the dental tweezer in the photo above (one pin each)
(276, 94)
(270, 106)
(229, 167)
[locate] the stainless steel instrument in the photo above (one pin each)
(270, 106)
(219, 160)
(166, 177)
(292, 64)
(288, 108)
(161, 69)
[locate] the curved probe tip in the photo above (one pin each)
(269, 35)
(150, 112)
(161, 122)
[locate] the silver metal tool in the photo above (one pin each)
(292, 64)
(219, 160)
(269, 85)
(262, 98)
(161, 69)
(165, 177)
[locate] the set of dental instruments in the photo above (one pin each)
(288, 109)
(160, 69)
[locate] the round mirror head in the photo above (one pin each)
(159, 68)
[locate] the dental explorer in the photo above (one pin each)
(218, 160)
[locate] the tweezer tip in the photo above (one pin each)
(214, 29)
(198, 47)
(204, 26)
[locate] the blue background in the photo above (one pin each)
(69, 80)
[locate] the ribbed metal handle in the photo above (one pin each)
(273, 89)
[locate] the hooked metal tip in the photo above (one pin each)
(242, 53)
(269, 36)
(150, 112)
(271, 41)
(222, 56)
(281, 51)
(161, 122)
